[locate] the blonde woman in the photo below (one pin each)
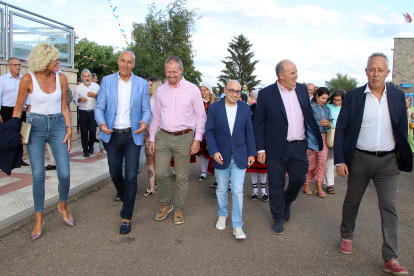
(153, 84)
(50, 120)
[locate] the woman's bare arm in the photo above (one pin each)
(25, 88)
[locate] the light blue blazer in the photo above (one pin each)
(107, 105)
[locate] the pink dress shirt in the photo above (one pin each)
(177, 109)
(296, 122)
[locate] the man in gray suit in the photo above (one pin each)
(371, 143)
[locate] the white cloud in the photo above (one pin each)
(383, 7)
(267, 11)
(373, 19)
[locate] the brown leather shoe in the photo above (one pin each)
(165, 210)
(178, 217)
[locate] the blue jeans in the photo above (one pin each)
(121, 150)
(48, 129)
(237, 181)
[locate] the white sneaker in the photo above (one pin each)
(239, 234)
(221, 223)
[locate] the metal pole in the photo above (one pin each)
(6, 29)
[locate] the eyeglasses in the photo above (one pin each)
(232, 91)
(17, 64)
(337, 100)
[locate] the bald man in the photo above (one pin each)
(123, 111)
(311, 89)
(284, 128)
(230, 138)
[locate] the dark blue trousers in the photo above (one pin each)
(295, 163)
(122, 145)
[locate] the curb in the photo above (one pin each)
(28, 215)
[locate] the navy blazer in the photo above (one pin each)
(11, 149)
(349, 124)
(241, 144)
(271, 125)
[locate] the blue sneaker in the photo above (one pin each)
(278, 227)
(125, 227)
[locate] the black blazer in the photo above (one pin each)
(270, 120)
(349, 123)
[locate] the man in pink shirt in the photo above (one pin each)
(284, 128)
(177, 108)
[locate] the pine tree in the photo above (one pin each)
(239, 65)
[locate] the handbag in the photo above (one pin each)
(411, 125)
(330, 137)
(25, 132)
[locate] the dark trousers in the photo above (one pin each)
(6, 113)
(88, 129)
(384, 173)
(119, 147)
(295, 163)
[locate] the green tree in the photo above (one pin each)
(239, 65)
(99, 59)
(165, 33)
(341, 81)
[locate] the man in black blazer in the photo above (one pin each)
(371, 143)
(284, 128)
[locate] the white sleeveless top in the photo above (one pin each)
(42, 103)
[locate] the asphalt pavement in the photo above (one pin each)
(309, 245)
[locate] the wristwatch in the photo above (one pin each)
(68, 126)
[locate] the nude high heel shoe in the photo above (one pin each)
(37, 236)
(67, 221)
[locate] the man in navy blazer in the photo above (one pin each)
(230, 139)
(284, 128)
(371, 143)
(123, 111)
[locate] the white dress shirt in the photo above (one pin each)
(122, 118)
(82, 91)
(231, 116)
(9, 89)
(376, 130)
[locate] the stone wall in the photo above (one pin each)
(403, 67)
(71, 75)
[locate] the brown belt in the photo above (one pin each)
(176, 133)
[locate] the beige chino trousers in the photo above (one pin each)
(179, 147)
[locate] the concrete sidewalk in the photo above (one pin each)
(16, 196)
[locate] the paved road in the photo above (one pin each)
(309, 245)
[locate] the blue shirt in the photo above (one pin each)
(321, 112)
(334, 112)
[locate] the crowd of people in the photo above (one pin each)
(288, 129)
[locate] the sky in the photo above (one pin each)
(321, 37)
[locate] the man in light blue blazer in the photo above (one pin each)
(123, 111)
(230, 139)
